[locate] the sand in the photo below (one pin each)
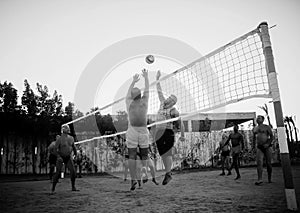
(193, 191)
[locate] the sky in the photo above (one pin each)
(53, 42)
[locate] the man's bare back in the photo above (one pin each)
(138, 113)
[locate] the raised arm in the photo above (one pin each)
(146, 91)
(158, 87)
(135, 79)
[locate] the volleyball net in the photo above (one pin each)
(232, 73)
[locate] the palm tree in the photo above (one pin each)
(287, 120)
(266, 110)
(295, 128)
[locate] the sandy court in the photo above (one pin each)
(203, 191)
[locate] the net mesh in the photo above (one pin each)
(227, 75)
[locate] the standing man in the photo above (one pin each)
(237, 143)
(137, 134)
(52, 157)
(78, 159)
(225, 153)
(165, 133)
(263, 137)
(64, 147)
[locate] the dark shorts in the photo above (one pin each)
(225, 153)
(52, 159)
(66, 159)
(126, 156)
(165, 140)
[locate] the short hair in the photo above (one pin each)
(261, 116)
(65, 129)
(135, 93)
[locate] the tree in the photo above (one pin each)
(121, 121)
(295, 128)
(8, 97)
(29, 101)
(105, 124)
(266, 110)
(287, 120)
(69, 110)
(57, 102)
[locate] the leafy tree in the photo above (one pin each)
(8, 97)
(58, 105)
(121, 121)
(29, 101)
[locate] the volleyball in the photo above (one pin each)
(150, 59)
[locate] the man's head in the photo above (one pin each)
(57, 137)
(136, 93)
(170, 101)
(260, 119)
(235, 128)
(65, 129)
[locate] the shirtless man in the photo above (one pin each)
(237, 143)
(225, 153)
(64, 147)
(137, 133)
(52, 157)
(263, 137)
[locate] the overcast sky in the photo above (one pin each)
(52, 42)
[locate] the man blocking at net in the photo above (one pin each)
(263, 137)
(165, 133)
(64, 147)
(137, 134)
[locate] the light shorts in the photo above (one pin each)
(137, 136)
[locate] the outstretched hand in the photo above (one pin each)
(136, 78)
(145, 73)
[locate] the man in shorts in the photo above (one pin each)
(263, 137)
(64, 147)
(225, 154)
(165, 133)
(237, 143)
(137, 133)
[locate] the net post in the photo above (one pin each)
(283, 146)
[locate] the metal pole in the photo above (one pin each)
(283, 146)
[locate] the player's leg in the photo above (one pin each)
(52, 163)
(70, 166)
(59, 164)
(132, 143)
(132, 166)
(126, 167)
(268, 156)
(222, 163)
(165, 142)
(237, 166)
(259, 162)
(152, 170)
(139, 171)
